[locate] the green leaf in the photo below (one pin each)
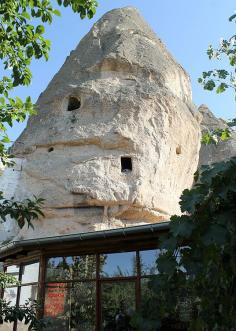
(5, 139)
(29, 51)
(166, 264)
(222, 74)
(209, 85)
(56, 12)
(169, 243)
(26, 15)
(191, 199)
(232, 123)
(225, 135)
(40, 29)
(221, 88)
(232, 60)
(232, 17)
(216, 234)
(207, 139)
(181, 226)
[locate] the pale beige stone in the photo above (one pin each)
(135, 102)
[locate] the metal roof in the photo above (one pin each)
(105, 234)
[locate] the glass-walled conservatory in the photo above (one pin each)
(84, 284)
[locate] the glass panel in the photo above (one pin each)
(146, 294)
(30, 273)
(28, 293)
(71, 306)
(83, 306)
(182, 250)
(118, 305)
(10, 295)
(6, 327)
(22, 327)
(71, 267)
(118, 264)
(148, 261)
(13, 270)
(55, 305)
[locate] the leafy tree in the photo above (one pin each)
(197, 269)
(22, 212)
(22, 27)
(220, 80)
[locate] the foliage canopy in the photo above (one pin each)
(197, 268)
(220, 80)
(22, 27)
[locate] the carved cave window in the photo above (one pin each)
(126, 164)
(73, 103)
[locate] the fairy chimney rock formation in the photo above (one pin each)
(115, 140)
(223, 150)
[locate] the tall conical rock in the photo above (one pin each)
(224, 149)
(115, 140)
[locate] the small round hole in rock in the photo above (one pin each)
(51, 149)
(73, 103)
(178, 150)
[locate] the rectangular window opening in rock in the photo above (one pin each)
(126, 164)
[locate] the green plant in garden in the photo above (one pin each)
(10, 313)
(26, 314)
(196, 283)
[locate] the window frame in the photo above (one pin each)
(44, 256)
(21, 265)
(99, 280)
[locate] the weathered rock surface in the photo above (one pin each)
(224, 149)
(134, 101)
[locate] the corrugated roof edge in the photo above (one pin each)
(84, 236)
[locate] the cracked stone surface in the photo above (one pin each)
(135, 102)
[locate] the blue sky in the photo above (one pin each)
(186, 27)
